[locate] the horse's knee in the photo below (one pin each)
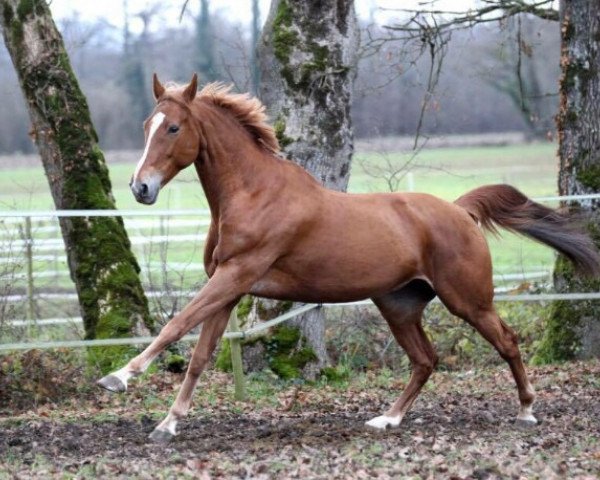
(197, 364)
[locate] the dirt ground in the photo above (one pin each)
(461, 427)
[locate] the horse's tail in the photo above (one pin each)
(505, 206)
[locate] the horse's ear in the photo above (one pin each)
(190, 91)
(157, 87)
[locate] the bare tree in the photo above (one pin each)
(135, 52)
(432, 28)
(254, 67)
(204, 51)
(518, 76)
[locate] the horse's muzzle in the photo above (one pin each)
(145, 192)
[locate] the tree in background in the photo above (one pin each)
(430, 30)
(573, 330)
(519, 75)
(254, 67)
(102, 266)
(135, 52)
(204, 48)
(387, 92)
(307, 62)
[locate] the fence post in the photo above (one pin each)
(29, 258)
(410, 182)
(236, 359)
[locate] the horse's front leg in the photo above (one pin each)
(229, 282)
(212, 331)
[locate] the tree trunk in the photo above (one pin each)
(133, 76)
(102, 266)
(254, 68)
(307, 56)
(573, 330)
(204, 45)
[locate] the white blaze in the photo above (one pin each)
(154, 124)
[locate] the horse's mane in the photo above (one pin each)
(248, 110)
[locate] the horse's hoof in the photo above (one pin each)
(384, 422)
(526, 422)
(161, 436)
(112, 384)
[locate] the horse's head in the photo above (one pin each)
(172, 140)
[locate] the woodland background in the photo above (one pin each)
(495, 78)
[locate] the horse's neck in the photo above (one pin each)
(232, 165)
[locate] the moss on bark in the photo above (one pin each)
(284, 38)
(287, 353)
(561, 341)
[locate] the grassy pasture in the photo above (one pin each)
(445, 172)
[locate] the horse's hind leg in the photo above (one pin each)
(505, 341)
(484, 318)
(403, 311)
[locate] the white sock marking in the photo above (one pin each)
(169, 424)
(383, 421)
(156, 121)
(526, 415)
(124, 375)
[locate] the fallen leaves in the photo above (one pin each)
(461, 427)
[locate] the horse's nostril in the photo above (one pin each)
(143, 189)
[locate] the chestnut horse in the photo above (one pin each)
(277, 233)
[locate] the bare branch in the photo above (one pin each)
(183, 9)
(492, 11)
(437, 43)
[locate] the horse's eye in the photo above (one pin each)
(173, 129)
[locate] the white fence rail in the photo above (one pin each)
(262, 326)
(104, 213)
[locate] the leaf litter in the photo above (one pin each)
(461, 427)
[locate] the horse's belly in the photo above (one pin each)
(326, 282)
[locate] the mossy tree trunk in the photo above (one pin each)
(573, 330)
(102, 266)
(306, 56)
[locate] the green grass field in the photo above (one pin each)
(445, 172)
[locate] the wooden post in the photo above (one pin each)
(236, 359)
(29, 258)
